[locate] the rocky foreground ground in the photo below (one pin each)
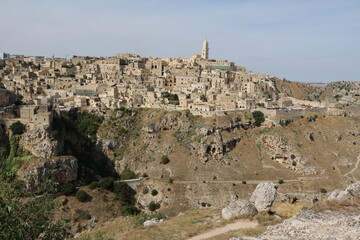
(328, 225)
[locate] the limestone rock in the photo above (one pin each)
(153, 221)
(38, 140)
(238, 208)
(59, 169)
(314, 226)
(264, 195)
(351, 191)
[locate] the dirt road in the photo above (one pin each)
(241, 224)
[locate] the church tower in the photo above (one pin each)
(205, 50)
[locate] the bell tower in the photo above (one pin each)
(205, 50)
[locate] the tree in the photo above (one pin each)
(259, 117)
(128, 174)
(17, 128)
(82, 196)
(154, 192)
(30, 219)
(165, 159)
(153, 206)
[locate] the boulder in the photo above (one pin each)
(351, 191)
(238, 208)
(264, 195)
(153, 221)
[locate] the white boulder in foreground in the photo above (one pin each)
(238, 208)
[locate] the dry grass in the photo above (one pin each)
(185, 226)
(110, 229)
(344, 205)
(287, 210)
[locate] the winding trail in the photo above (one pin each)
(355, 167)
(241, 224)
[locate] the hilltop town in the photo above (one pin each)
(204, 86)
(177, 137)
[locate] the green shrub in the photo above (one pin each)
(124, 193)
(165, 159)
(25, 216)
(323, 190)
(81, 215)
(154, 192)
(145, 175)
(129, 210)
(17, 128)
(259, 117)
(87, 124)
(94, 185)
(281, 181)
(153, 206)
(244, 182)
(171, 180)
(294, 163)
(67, 189)
(128, 174)
(106, 183)
(292, 156)
(82, 196)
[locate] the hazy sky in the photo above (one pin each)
(308, 40)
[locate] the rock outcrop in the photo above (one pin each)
(315, 226)
(59, 169)
(264, 195)
(238, 208)
(153, 221)
(38, 140)
(351, 191)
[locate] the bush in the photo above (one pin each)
(292, 156)
(243, 182)
(106, 183)
(124, 193)
(128, 174)
(171, 180)
(165, 159)
(17, 128)
(93, 185)
(154, 192)
(129, 210)
(145, 191)
(153, 206)
(259, 117)
(81, 215)
(294, 163)
(145, 175)
(25, 216)
(87, 124)
(82, 196)
(281, 181)
(323, 190)
(67, 189)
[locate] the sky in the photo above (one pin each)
(300, 40)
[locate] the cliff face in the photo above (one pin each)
(317, 92)
(209, 158)
(39, 140)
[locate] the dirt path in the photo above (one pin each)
(221, 230)
(247, 181)
(356, 166)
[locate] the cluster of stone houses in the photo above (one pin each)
(127, 80)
